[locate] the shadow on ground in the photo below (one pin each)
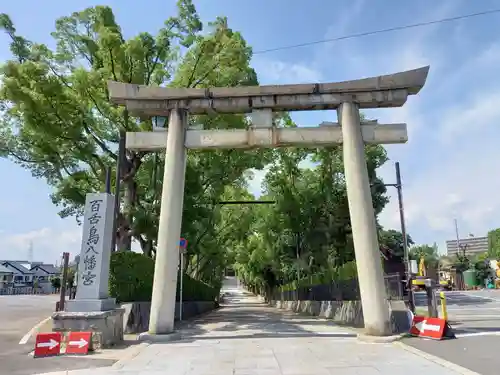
(241, 317)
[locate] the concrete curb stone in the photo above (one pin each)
(133, 353)
(379, 339)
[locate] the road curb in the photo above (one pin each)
(131, 355)
(379, 339)
(433, 358)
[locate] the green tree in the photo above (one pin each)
(58, 123)
(429, 253)
(307, 231)
(494, 243)
(56, 282)
(393, 240)
(57, 119)
(481, 265)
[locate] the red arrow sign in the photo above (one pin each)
(78, 342)
(47, 344)
(433, 328)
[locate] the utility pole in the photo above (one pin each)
(399, 186)
(459, 246)
(297, 253)
(64, 281)
(458, 237)
(406, 254)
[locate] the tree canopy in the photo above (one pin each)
(57, 122)
(494, 243)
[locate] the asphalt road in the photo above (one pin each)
(471, 313)
(475, 319)
(18, 314)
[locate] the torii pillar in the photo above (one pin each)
(347, 97)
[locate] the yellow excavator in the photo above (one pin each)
(418, 281)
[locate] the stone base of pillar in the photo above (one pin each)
(106, 326)
(164, 337)
(86, 305)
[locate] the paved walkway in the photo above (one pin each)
(246, 337)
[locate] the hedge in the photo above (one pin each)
(131, 280)
(347, 271)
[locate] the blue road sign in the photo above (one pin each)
(183, 243)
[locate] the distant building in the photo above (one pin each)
(6, 277)
(471, 246)
(22, 275)
(45, 272)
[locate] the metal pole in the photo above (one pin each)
(108, 181)
(298, 258)
(181, 284)
(406, 253)
(430, 289)
(64, 280)
(458, 238)
(298, 267)
(119, 166)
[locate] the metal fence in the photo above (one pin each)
(19, 290)
(347, 290)
(394, 286)
(27, 290)
(335, 291)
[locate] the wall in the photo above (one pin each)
(348, 313)
(136, 317)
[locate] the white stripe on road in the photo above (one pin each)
(463, 316)
(470, 295)
(474, 334)
(477, 308)
(27, 336)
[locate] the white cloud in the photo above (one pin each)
(449, 164)
(460, 180)
(280, 72)
(48, 244)
(468, 192)
(480, 111)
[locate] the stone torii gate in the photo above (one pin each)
(260, 101)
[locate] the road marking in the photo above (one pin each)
(474, 334)
(471, 295)
(473, 308)
(27, 336)
(473, 316)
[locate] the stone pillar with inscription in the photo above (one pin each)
(92, 293)
(92, 309)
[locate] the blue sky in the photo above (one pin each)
(449, 166)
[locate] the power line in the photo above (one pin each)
(374, 32)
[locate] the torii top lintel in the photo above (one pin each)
(375, 92)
